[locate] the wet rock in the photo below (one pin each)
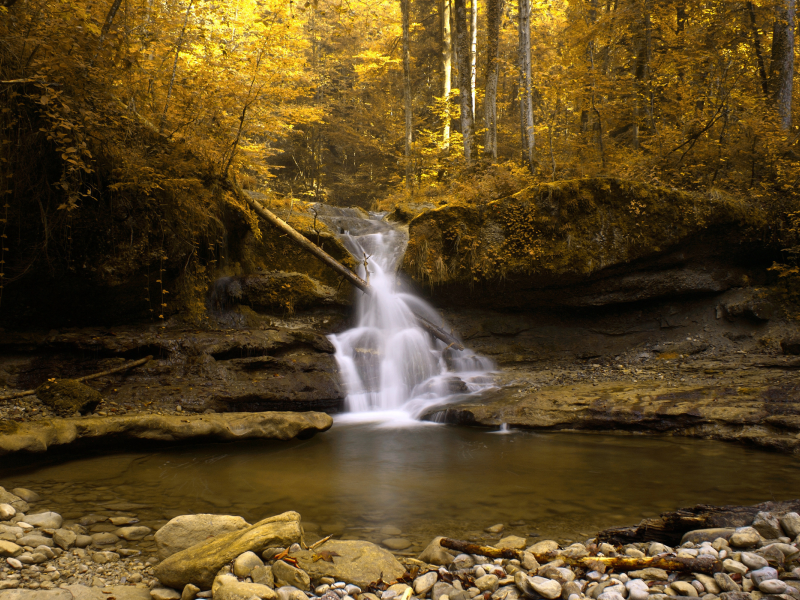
(200, 563)
(763, 574)
(424, 583)
(104, 538)
(245, 563)
(753, 561)
(543, 547)
(286, 574)
(40, 435)
(263, 575)
(767, 525)
(745, 537)
(133, 534)
(434, 554)
(236, 590)
(772, 586)
(725, 583)
(15, 501)
(546, 588)
(495, 528)
(684, 588)
(9, 549)
(7, 512)
(790, 523)
(187, 530)
(56, 594)
(396, 543)
(487, 583)
(512, 541)
(29, 496)
(189, 592)
(708, 582)
(45, 520)
(64, 538)
(649, 574)
(163, 593)
(81, 541)
(34, 540)
(734, 566)
(463, 561)
(102, 558)
(699, 536)
(529, 562)
(359, 563)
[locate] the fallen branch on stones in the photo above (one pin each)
(124, 367)
(334, 264)
(669, 527)
(707, 565)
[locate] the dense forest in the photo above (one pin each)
(128, 125)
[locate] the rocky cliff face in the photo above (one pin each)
(585, 243)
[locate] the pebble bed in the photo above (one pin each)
(41, 551)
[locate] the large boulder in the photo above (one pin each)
(359, 563)
(67, 397)
(187, 530)
(200, 563)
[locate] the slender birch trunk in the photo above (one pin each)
(525, 84)
(464, 79)
(494, 12)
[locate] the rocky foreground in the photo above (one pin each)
(225, 558)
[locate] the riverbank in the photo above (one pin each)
(752, 557)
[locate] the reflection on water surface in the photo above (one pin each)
(426, 480)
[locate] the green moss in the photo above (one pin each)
(67, 396)
(568, 227)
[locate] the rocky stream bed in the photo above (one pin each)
(111, 554)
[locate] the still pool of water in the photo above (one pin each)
(425, 480)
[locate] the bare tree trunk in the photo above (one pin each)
(464, 79)
(525, 84)
(447, 66)
(782, 64)
(112, 12)
(642, 73)
(762, 72)
(405, 9)
(174, 68)
(494, 12)
(473, 50)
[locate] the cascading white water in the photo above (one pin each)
(387, 362)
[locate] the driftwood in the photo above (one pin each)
(670, 526)
(618, 563)
(124, 367)
(334, 264)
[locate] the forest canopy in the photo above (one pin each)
(131, 118)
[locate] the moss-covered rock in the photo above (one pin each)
(277, 292)
(569, 233)
(67, 396)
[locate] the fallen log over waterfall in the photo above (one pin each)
(334, 264)
(707, 565)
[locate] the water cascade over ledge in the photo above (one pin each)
(393, 370)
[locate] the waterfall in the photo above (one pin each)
(388, 364)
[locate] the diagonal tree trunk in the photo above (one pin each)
(782, 64)
(525, 84)
(464, 78)
(494, 12)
